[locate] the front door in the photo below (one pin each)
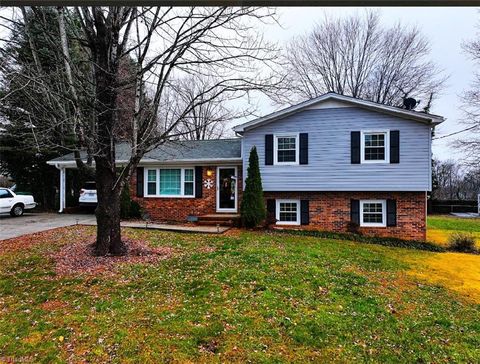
(227, 189)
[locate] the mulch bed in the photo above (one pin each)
(78, 258)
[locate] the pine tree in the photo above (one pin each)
(253, 205)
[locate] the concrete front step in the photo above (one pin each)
(218, 219)
(214, 222)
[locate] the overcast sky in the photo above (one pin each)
(445, 28)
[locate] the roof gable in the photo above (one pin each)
(333, 100)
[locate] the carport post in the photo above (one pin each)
(62, 188)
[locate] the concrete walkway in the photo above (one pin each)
(169, 227)
(12, 227)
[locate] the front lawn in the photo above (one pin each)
(244, 296)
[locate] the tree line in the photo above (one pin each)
(453, 181)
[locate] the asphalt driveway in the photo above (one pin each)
(12, 227)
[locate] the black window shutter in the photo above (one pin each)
(391, 213)
(139, 181)
(395, 146)
(355, 211)
(198, 181)
(271, 206)
(269, 149)
(303, 148)
(304, 212)
(355, 147)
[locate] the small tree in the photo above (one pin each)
(253, 206)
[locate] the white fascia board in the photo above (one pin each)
(205, 161)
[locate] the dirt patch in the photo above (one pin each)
(210, 347)
(233, 232)
(52, 305)
(207, 249)
(78, 257)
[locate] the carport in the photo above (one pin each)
(67, 163)
(63, 164)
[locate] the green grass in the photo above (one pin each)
(441, 227)
(258, 297)
(442, 222)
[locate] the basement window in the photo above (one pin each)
(288, 212)
(373, 213)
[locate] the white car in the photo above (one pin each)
(88, 194)
(15, 204)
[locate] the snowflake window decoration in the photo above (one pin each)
(208, 183)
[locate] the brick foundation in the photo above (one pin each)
(167, 209)
(330, 211)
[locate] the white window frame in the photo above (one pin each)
(387, 146)
(277, 212)
(297, 149)
(157, 190)
(384, 214)
(145, 181)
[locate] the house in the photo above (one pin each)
(332, 163)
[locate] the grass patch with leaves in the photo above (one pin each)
(241, 297)
(440, 228)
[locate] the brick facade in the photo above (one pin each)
(174, 209)
(330, 211)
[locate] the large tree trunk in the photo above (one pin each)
(109, 188)
(109, 239)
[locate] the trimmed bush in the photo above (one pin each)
(462, 242)
(253, 205)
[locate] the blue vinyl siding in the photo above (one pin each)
(329, 166)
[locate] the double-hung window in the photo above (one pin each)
(375, 147)
(286, 149)
(188, 182)
(152, 182)
(170, 182)
(288, 212)
(373, 213)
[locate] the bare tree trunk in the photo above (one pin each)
(109, 240)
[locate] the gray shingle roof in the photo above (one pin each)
(178, 151)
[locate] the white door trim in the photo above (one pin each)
(218, 189)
